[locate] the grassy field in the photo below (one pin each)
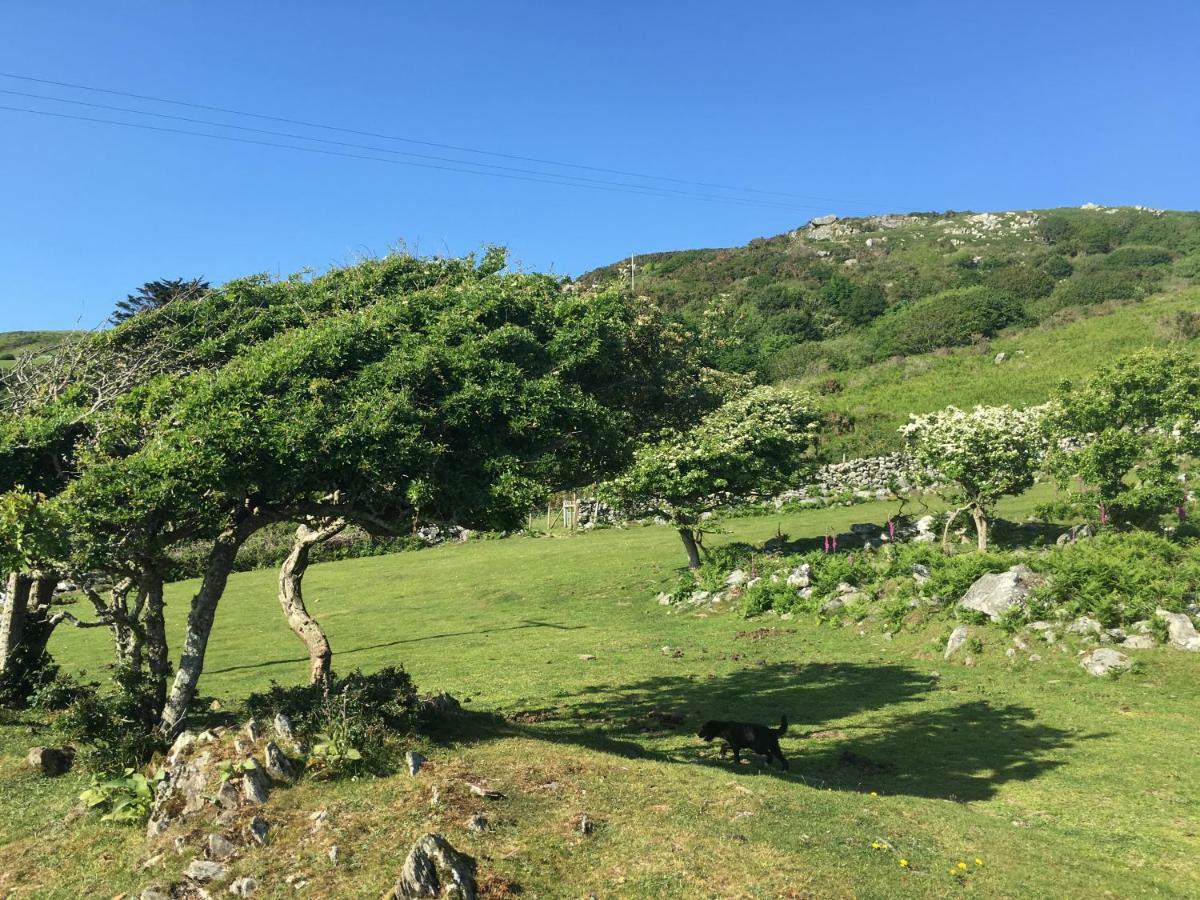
(881, 396)
(1060, 784)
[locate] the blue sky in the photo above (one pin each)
(870, 107)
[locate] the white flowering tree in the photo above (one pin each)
(750, 447)
(981, 455)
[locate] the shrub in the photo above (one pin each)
(1021, 282)
(1095, 286)
(1056, 266)
(1055, 229)
(1130, 257)
(353, 720)
(951, 318)
(116, 728)
(125, 798)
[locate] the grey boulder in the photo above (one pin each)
(995, 594)
(1104, 660)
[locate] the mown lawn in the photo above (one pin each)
(1061, 784)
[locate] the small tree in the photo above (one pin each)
(745, 449)
(1122, 433)
(981, 455)
(156, 294)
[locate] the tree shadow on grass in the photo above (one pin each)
(962, 752)
(339, 654)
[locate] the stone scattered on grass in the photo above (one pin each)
(995, 594)
(204, 870)
(50, 761)
(1104, 660)
(1183, 634)
(257, 830)
(220, 847)
(254, 785)
(587, 657)
(480, 791)
(244, 886)
(1139, 642)
(957, 638)
(154, 892)
(477, 823)
(586, 826)
(1085, 625)
(435, 869)
(413, 762)
(278, 766)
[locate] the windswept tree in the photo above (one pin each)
(1123, 433)
(751, 447)
(458, 401)
(977, 457)
(157, 294)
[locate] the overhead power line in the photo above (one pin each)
(410, 140)
(542, 178)
(377, 149)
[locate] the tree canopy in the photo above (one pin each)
(749, 447)
(982, 455)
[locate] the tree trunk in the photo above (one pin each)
(39, 625)
(291, 598)
(158, 661)
(688, 536)
(12, 619)
(981, 527)
(199, 626)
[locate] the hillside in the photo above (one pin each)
(870, 403)
(17, 343)
(838, 294)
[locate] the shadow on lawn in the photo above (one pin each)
(338, 654)
(959, 752)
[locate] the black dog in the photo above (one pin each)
(759, 739)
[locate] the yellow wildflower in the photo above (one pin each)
(978, 861)
(904, 863)
(962, 865)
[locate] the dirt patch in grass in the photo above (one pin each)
(759, 634)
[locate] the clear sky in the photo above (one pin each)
(847, 108)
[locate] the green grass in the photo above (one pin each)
(18, 343)
(1062, 784)
(881, 396)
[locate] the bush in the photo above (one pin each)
(114, 729)
(352, 722)
(948, 319)
(1057, 267)
(1022, 282)
(1130, 257)
(1117, 578)
(1055, 229)
(1095, 286)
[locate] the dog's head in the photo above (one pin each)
(709, 730)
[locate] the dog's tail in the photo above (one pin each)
(782, 725)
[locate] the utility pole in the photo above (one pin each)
(632, 266)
